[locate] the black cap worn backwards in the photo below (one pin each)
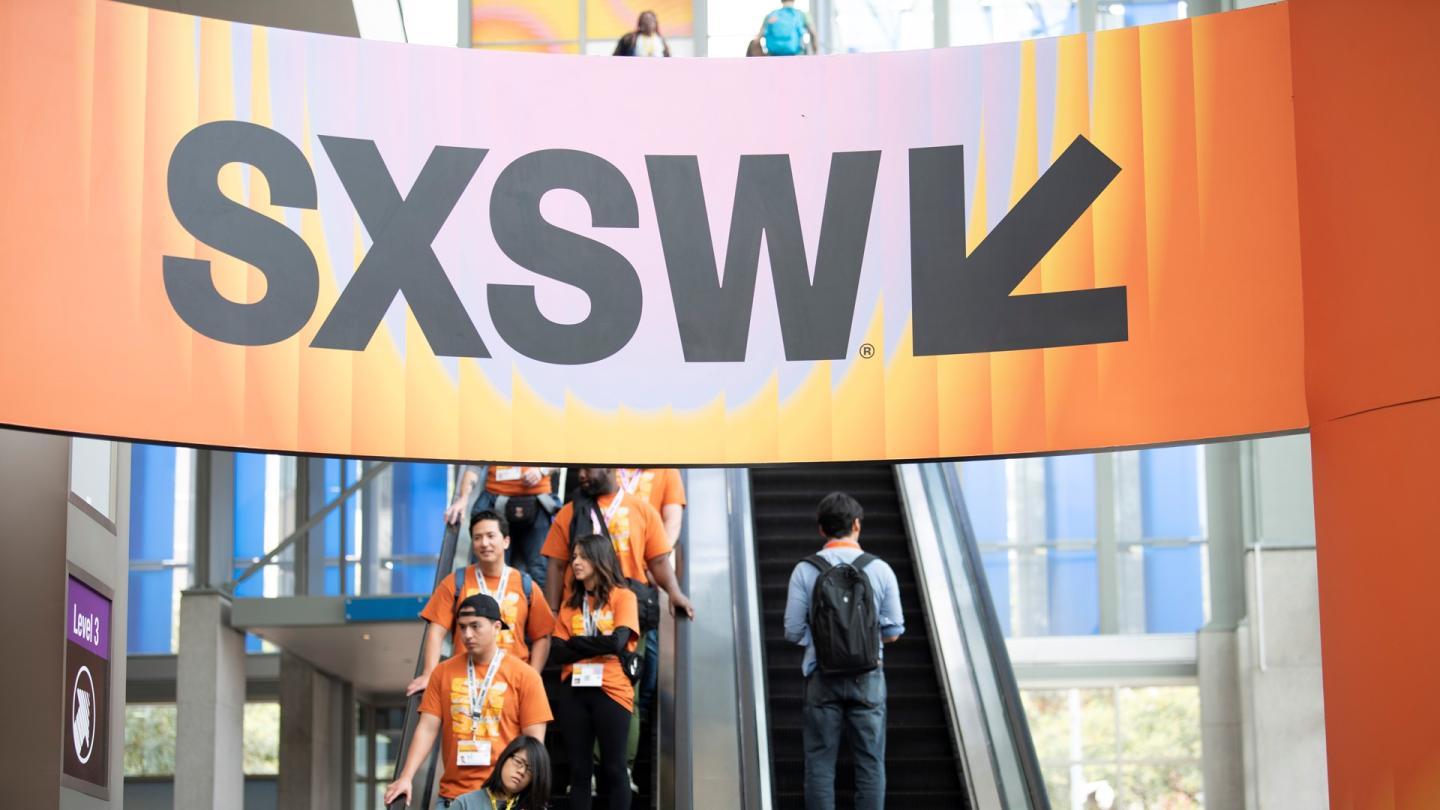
(483, 606)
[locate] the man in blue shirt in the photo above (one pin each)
(834, 701)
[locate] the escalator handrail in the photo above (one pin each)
(994, 640)
(750, 661)
(444, 567)
(939, 592)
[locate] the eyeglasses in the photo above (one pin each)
(522, 764)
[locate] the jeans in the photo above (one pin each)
(834, 703)
(525, 544)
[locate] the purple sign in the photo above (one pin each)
(87, 618)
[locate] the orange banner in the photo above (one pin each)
(219, 234)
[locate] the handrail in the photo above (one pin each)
(1014, 711)
(943, 594)
(444, 566)
(750, 641)
(987, 698)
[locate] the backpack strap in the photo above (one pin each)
(819, 562)
(863, 560)
(459, 589)
(581, 507)
(527, 584)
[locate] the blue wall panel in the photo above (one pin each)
(1170, 492)
(985, 492)
(418, 528)
(1174, 599)
(1070, 497)
(151, 603)
(152, 539)
(1074, 593)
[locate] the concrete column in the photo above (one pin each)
(50, 534)
(32, 511)
(1286, 732)
(313, 739)
(210, 705)
(1221, 730)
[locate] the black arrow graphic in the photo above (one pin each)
(962, 303)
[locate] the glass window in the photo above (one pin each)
(162, 531)
(150, 739)
(1118, 746)
(974, 22)
(1038, 526)
(92, 473)
(575, 26)
(262, 739)
(1138, 12)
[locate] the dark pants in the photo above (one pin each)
(835, 704)
(525, 544)
(588, 716)
(649, 675)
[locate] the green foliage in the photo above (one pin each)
(262, 738)
(1143, 742)
(150, 739)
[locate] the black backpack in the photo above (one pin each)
(843, 621)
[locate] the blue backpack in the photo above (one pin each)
(785, 32)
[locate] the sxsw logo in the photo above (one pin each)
(962, 301)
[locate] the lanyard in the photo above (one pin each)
(591, 619)
(499, 589)
(614, 506)
(843, 544)
(493, 806)
(609, 510)
(477, 702)
(630, 479)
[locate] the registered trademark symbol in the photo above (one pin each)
(867, 351)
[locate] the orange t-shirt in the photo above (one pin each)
(620, 610)
(503, 480)
(516, 699)
(534, 614)
(636, 531)
(661, 486)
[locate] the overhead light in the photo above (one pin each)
(365, 636)
(1117, 9)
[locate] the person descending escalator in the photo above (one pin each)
(522, 604)
(842, 604)
(520, 781)
(523, 495)
(595, 638)
(477, 703)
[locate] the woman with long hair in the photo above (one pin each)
(595, 638)
(519, 781)
(645, 40)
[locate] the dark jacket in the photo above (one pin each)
(626, 45)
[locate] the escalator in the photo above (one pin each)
(921, 762)
(727, 727)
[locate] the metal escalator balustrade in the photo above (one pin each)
(921, 756)
(992, 733)
(425, 783)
